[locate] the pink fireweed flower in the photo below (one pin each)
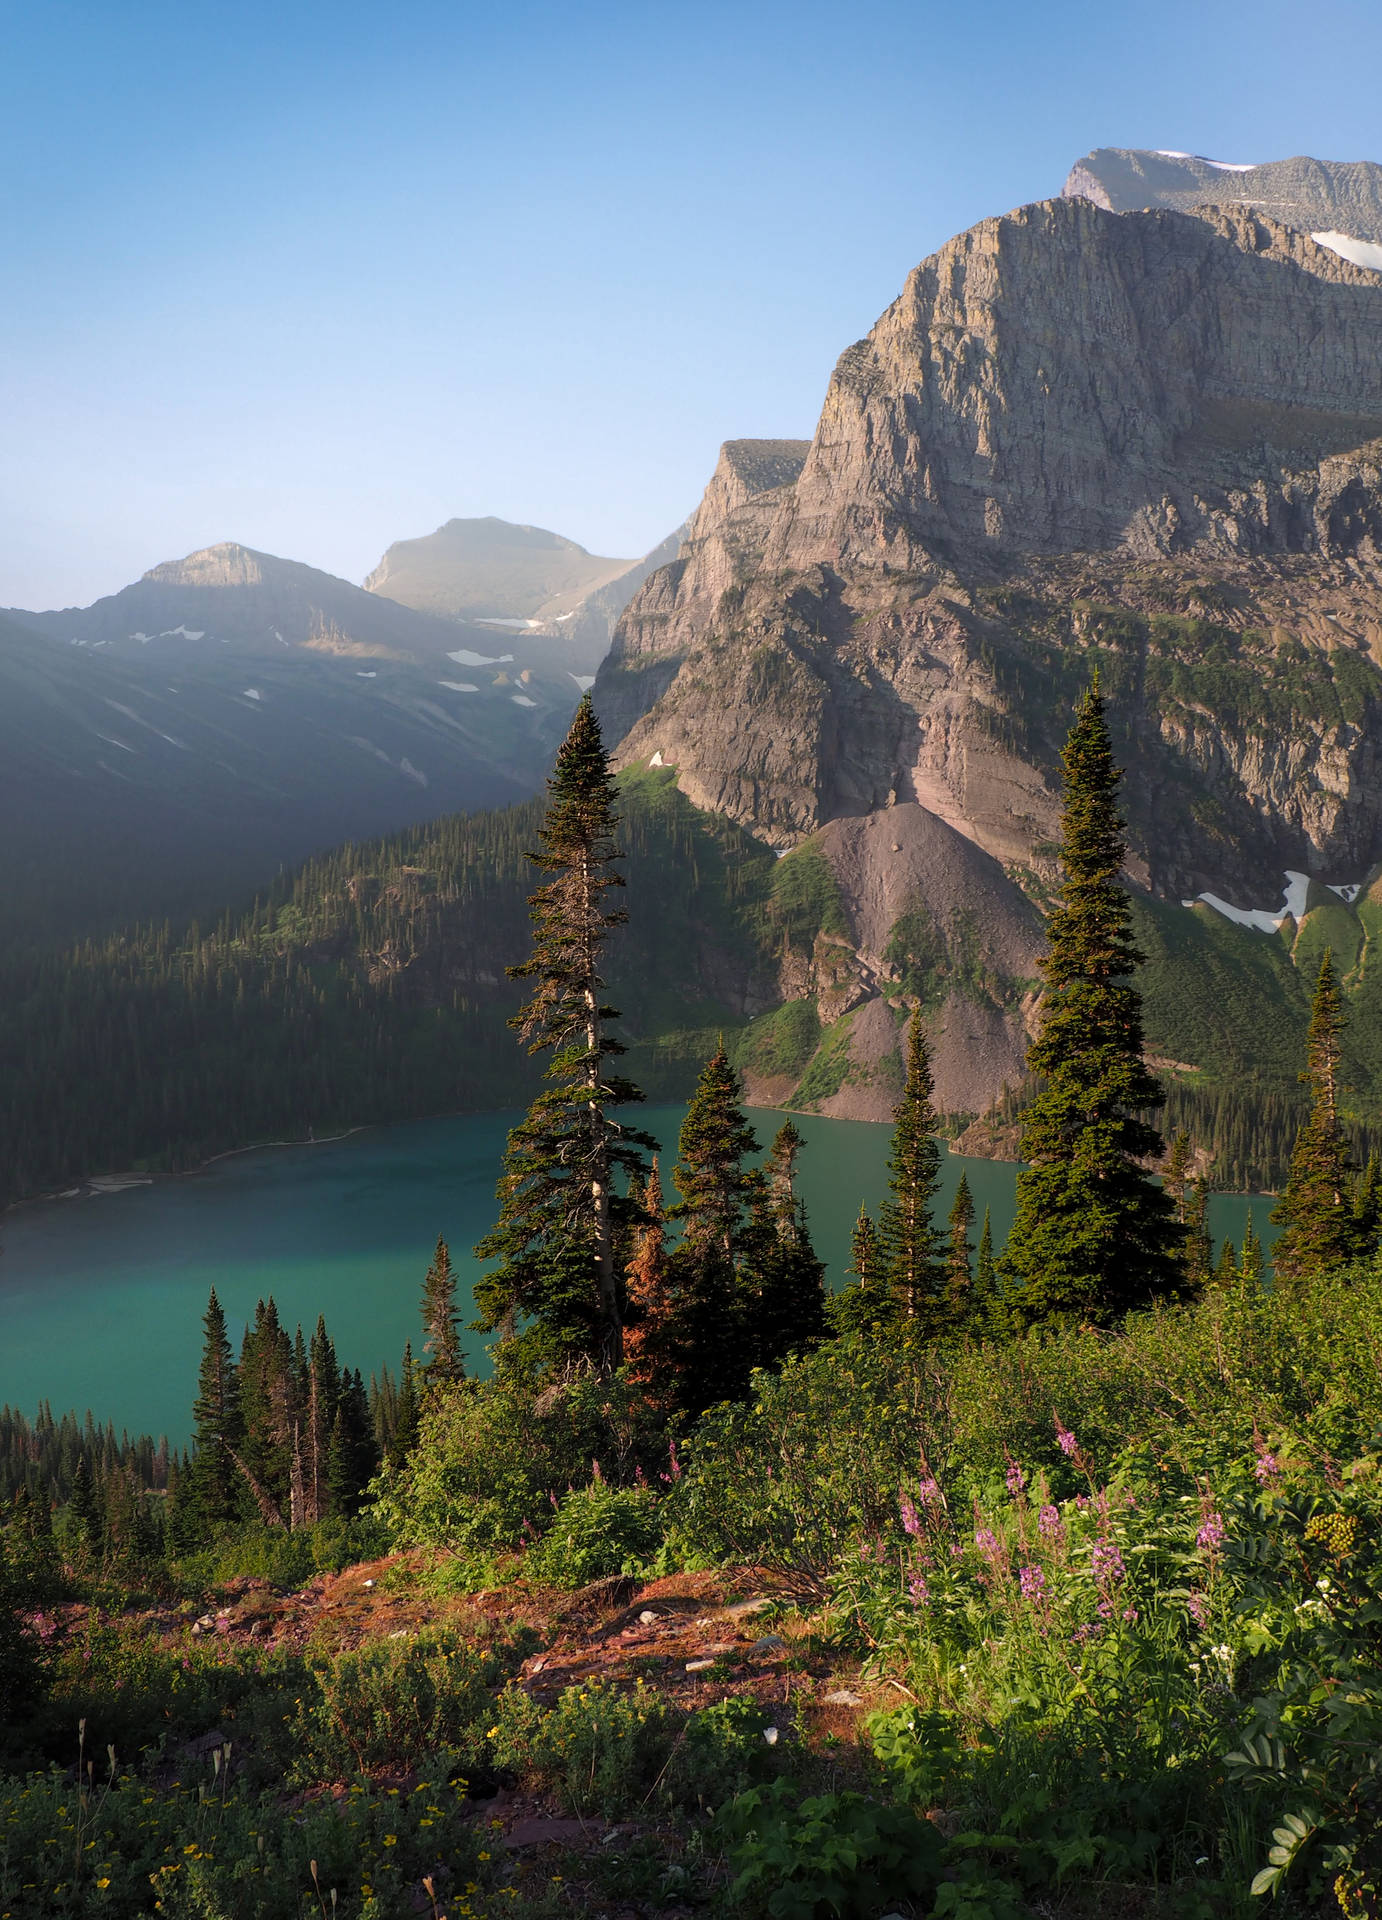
(907, 1508)
(1198, 1608)
(1016, 1478)
(917, 1587)
(955, 1550)
(672, 1458)
(987, 1543)
(1064, 1436)
(1107, 1562)
(1050, 1525)
(1032, 1581)
(1268, 1466)
(1211, 1533)
(929, 1492)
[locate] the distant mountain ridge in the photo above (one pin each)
(1340, 197)
(494, 571)
(170, 747)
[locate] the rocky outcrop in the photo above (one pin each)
(1150, 437)
(1339, 196)
(1148, 441)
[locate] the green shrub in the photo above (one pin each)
(838, 1854)
(603, 1750)
(398, 1704)
(119, 1850)
(597, 1531)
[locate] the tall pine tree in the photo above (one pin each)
(441, 1340)
(914, 1250)
(959, 1278)
(213, 1495)
(556, 1235)
(1094, 1235)
(706, 1347)
(1319, 1227)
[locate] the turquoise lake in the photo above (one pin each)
(101, 1297)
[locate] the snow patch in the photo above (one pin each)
(1269, 919)
(1224, 166)
(181, 633)
(657, 759)
(513, 625)
(366, 676)
(459, 686)
(1360, 253)
(585, 681)
(465, 658)
(522, 700)
(253, 693)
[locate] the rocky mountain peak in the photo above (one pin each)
(225, 565)
(1342, 197)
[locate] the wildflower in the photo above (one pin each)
(1050, 1525)
(1016, 1478)
(104, 1883)
(1082, 1502)
(390, 1839)
(1211, 1533)
(1198, 1608)
(1130, 1613)
(1107, 1562)
(929, 1492)
(987, 1542)
(1032, 1581)
(955, 1550)
(1064, 1436)
(907, 1508)
(1267, 1468)
(673, 1461)
(918, 1589)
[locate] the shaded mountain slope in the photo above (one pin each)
(176, 743)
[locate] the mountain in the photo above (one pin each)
(1146, 441)
(170, 747)
(519, 578)
(1338, 201)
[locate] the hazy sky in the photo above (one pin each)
(318, 277)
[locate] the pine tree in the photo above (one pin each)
(407, 1412)
(1250, 1260)
(1197, 1255)
(987, 1306)
(1315, 1212)
(1367, 1206)
(1226, 1273)
(85, 1520)
(781, 1282)
(959, 1278)
(441, 1338)
(559, 1213)
(354, 1455)
(707, 1346)
(710, 1175)
(214, 1486)
(914, 1252)
(1094, 1235)
(868, 1309)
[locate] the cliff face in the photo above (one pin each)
(1151, 440)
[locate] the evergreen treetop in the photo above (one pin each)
(1316, 1213)
(560, 1213)
(914, 1250)
(1094, 1235)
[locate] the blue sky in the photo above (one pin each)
(317, 277)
